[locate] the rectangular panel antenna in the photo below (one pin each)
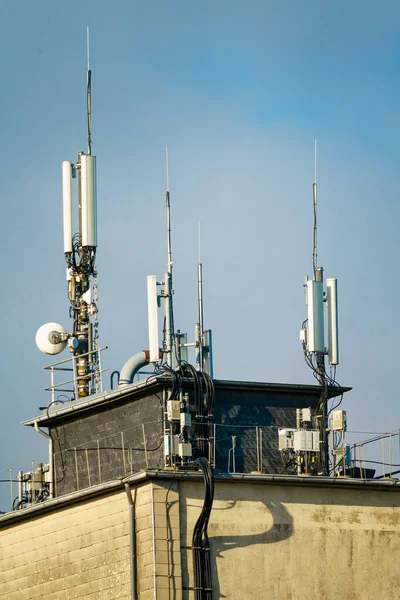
(315, 297)
(67, 204)
(333, 328)
(153, 317)
(89, 200)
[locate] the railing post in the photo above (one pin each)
(52, 382)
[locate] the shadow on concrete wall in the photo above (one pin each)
(282, 528)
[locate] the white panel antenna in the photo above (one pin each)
(89, 200)
(67, 204)
(153, 318)
(333, 329)
(315, 298)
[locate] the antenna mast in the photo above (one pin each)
(168, 306)
(80, 255)
(200, 357)
(315, 213)
(89, 93)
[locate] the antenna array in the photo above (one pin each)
(175, 345)
(312, 334)
(80, 255)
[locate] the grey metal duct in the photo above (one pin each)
(132, 366)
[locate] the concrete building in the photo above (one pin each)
(121, 525)
(271, 536)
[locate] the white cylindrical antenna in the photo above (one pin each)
(333, 328)
(315, 299)
(88, 200)
(153, 318)
(67, 204)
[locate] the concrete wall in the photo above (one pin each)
(93, 448)
(278, 541)
(296, 543)
(159, 543)
(79, 552)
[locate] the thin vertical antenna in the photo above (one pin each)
(315, 212)
(169, 311)
(166, 165)
(198, 238)
(89, 93)
(168, 217)
(200, 304)
(315, 161)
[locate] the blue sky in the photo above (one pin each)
(238, 91)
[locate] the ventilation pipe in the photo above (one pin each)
(132, 366)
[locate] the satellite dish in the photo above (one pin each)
(51, 338)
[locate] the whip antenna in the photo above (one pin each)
(200, 306)
(315, 212)
(89, 93)
(168, 205)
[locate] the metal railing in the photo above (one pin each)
(95, 375)
(237, 448)
(380, 454)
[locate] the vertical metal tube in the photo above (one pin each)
(100, 372)
(197, 345)
(98, 459)
(169, 251)
(315, 229)
(200, 310)
(74, 377)
(76, 470)
(298, 418)
(51, 461)
(145, 446)
(132, 540)
(52, 385)
(20, 476)
(123, 452)
(92, 381)
(258, 449)
(11, 490)
(88, 468)
(167, 312)
(214, 445)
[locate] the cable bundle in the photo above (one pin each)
(200, 541)
(203, 401)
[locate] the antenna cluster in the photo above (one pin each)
(174, 350)
(80, 244)
(312, 334)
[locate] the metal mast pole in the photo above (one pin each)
(168, 307)
(200, 308)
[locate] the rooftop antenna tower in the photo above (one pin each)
(80, 255)
(312, 333)
(175, 344)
